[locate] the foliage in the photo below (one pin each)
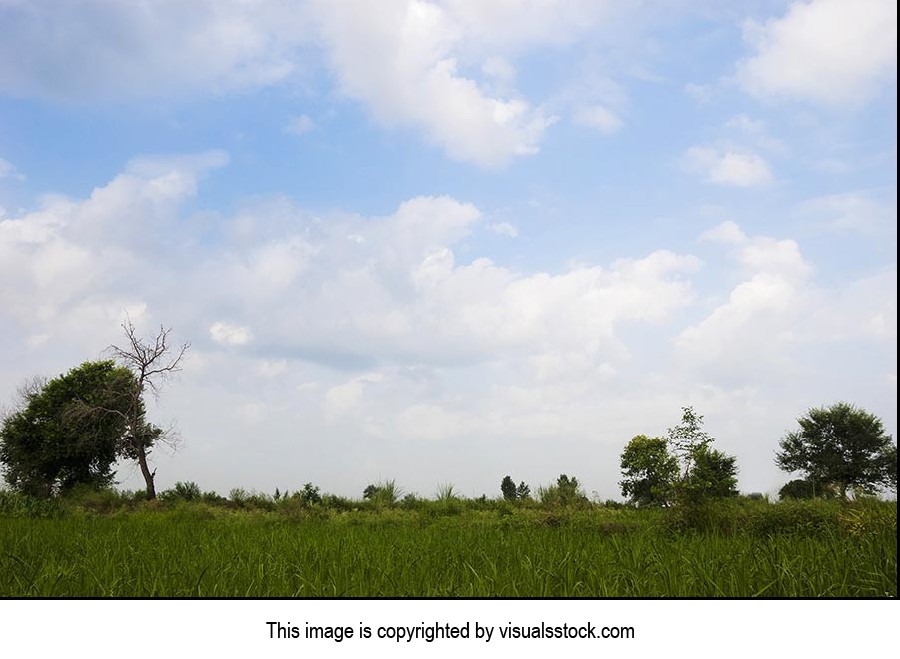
(68, 432)
(508, 488)
(688, 437)
(189, 491)
(843, 447)
(309, 495)
(566, 491)
(16, 504)
(445, 493)
(649, 471)
(714, 475)
(706, 473)
(802, 488)
(187, 549)
(523, 492)
(383, 494)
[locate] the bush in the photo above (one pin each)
(182, 492)
(14, 504)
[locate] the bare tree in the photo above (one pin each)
(152, 363)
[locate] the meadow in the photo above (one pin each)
(105, 545)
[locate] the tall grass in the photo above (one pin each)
(196, 549)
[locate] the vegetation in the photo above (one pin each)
(68, 431)
(649, 471)
(706, 473)
(685, 531)
(107, 544)
(840, 447)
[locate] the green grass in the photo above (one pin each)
(188, 550)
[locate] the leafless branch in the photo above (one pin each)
(152, 362)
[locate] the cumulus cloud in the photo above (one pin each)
(402, 58)
(825, 51)
(727, 167)
(229, 335)
(87, 260)
(728, 232)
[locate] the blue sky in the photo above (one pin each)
(446, 241)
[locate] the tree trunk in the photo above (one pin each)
(147, 474)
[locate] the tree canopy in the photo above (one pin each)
(68, 431)
(649, 471)
(841, 447)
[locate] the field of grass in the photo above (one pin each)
(454, 548)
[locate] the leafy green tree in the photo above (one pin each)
(801, 488)
(841, 447)
(566, 491)
(649, 471)
(523, 491)
(52, 443)
(713, 475)
(705, 472)
(508, 488)
(688, 438)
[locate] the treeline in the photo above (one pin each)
(68, 433)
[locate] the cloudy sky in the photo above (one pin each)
(442, 241)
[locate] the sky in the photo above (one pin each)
(443, 241)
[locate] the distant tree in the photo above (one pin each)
(687, 438)
(705, 472)
(508, 488)
(48, 446)
(843, 447)
(310, 494)
(523, 491)
(152, 363)
(714, 474)
(566, 491)
(649, 471)
(800, 488)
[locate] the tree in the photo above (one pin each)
(801, 488)
(508, 488)
(705, 472)
(523, 491)
(152, 363)
(841, 447)
(48, 445)
(714, 474)
(687, 438)
(649, 471)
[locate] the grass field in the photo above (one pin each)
(190, 549)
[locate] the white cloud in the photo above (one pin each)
(299, 125)
(599, 118)
(728, 232)
(504, 229)
(726, 167)
(8, 170)
(746, 336)
(374, 336)
(402, 58)
(851, 211)
(229, 335)
(827, 51)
